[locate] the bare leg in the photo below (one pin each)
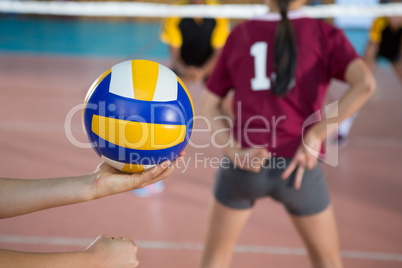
(319, 233)
(224, 227)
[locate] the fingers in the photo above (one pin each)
(289, 170)
(299, 163)
(158, 169)
(115, 251)
(254, 169)
(164, 174)
(311, 161)
(257, 158)
(152, 175)
(300, 168)
(299, 177)
(159, 172)
(104, 237)
(265, 154)
(259, 153)
(105, 167)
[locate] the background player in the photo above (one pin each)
(386, 41)
(280, 66)
(194, 43)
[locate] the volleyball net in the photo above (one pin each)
(160, 10)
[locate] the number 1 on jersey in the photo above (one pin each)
(260, 81)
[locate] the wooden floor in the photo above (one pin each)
(37, 94)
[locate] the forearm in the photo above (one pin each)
(360, 91)
(178, 63)
(221, 125)
(370, 55)
(349, 104)
(21, 196)
(179, 66)
(16, 259)
(209, 65)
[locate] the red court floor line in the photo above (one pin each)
(365, 187)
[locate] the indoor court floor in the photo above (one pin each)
(38, 93)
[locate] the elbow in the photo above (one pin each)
(369, 84)
(366, 84)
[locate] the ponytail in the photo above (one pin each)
(285, 57)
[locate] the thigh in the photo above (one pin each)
(237, 188)
(319, 233)
(310, 199)
(224, 226)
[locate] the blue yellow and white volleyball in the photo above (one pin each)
(138, 114)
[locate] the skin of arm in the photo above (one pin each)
(370, 54)
(222, 135)
(178, 63)
(104, 252)
(193, 73)
(21, 196)
(362, 86)
(10, 258)
(208, 66)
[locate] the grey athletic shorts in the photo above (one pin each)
(239, 189)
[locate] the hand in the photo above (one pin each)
(305, 157)
(371, 64)
(249, 159)
(195, 74)
(108, 252)
(110, 181)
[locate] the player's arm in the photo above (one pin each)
(218, 39)
(21, 196)
(10, 258)
(362, 85)
(172, 36)
(211, 105)
(375, 37)
(370, 54)
(103, 252)
(178, 63)
(221, 125)
(208, 66)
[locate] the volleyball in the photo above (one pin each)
(138, 114)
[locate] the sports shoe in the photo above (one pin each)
(342, 141)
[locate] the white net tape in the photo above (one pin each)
(136, 9)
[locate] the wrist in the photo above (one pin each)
(319, 131)
(90, 186)
(203, 72)
(231, 151)
(87, 258)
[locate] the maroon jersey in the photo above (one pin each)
(246, 65)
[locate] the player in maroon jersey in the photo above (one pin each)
(279, 66)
